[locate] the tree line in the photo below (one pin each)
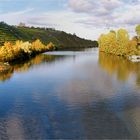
(23, 50)
(119, 42)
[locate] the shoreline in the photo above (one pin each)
(132, 58)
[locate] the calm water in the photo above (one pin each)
(71, 95)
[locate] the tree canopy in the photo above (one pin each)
(138, 30)
(119, 42)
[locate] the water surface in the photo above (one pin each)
(71, 94)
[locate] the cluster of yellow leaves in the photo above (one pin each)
(10, 52)
(118, 43)
(39, 47)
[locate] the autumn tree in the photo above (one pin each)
(10, 52)
(123, 41)
(118, 43)
(38, 46)
(108, 42)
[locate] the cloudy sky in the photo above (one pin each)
(86, 18)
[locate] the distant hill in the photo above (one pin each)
(46, 35)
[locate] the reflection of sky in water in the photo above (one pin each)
(71, 96)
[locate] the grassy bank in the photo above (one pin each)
(60, 39)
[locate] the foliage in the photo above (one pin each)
(138, 30)
(118, 43)
(45, 35)
(22, 50)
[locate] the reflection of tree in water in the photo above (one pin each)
(26, 65)
(120, 66)
(6, 74)
(138, 79)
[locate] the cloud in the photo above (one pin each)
(129, 16)
(108, 13)
(86, 18)
(81, 5)
(66, 21)
(99, 7)
(15, 17)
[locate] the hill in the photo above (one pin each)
(45, 35)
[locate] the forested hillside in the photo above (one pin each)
(46, 35)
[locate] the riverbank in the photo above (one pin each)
(134, 58)
(120, 44)
(4, 67)
(23, 50)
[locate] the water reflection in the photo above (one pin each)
(5, 75)
(123, 68)
(26, 65)
(71, 95)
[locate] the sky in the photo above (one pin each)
(87, 18)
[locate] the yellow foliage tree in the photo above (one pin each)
(118, 43)
(38, 46)
(10, 52)
(123, 41)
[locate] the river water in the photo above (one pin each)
(71, 95)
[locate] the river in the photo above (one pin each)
(71, 95)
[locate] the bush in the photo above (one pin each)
(21, 50)
(118, 43)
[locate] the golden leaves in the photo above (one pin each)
(118, 43)
(10, 52)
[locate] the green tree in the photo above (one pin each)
(138, 30)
